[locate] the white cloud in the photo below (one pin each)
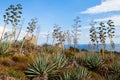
(85, 27)
(106, 6)
(114, 18)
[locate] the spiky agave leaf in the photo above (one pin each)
(115, 69)
(110, 77)
(4, 49)
(83, 73)
(67, 76)
(92, 61)
(96, 76)
(37, 67)
(77, 74)
(60, 62)
(50, 65)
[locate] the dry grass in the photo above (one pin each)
(19, 58)
(12, 73)
(6, 61)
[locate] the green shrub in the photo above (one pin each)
(4, 51)
(79, 73)
(50, 49)
(20, 58)
(110, 77)
(68, 53)
(84, 50)
(46, 67)
(92, 61)
(12, 73)
(6, 61)
(74, 49)
(115, 69)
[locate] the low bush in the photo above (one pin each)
(20, 58)
(74, 49)
(79, 73)
(115, 69)
(46, 67)
(12, 73)
(92, 61)
(6, 61)
(68, 53)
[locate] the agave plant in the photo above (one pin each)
(110, 77)
(68, 74)
(115, 69)
(83, 73)
(4, 49)
(79, 73)
(46, 67)
(92, 61)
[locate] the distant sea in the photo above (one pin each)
(88, 47)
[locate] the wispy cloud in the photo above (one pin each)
(85, 27)
(114, 18)
(106, 6)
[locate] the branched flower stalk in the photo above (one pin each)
(15, 18)
(30, 29)
(12, 15)
(20, 29)
(93, 36)
(37, 33)
(102, 36)
(76, 31)
(47, 37)
(68, 38)
(59, 35)
(110, 32)
(55, 33)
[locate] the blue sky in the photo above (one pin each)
(62, 12)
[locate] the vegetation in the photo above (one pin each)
(111, 31)
(28, 61)
(76, 31)
(93, 35)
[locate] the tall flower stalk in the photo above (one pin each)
(20, 29)
(30, 29)
(93, 35)
(68, 38)
(102, 36)
(55, 33)
(59, 35)
(76, 31)
(12, 15)
(110, 32)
